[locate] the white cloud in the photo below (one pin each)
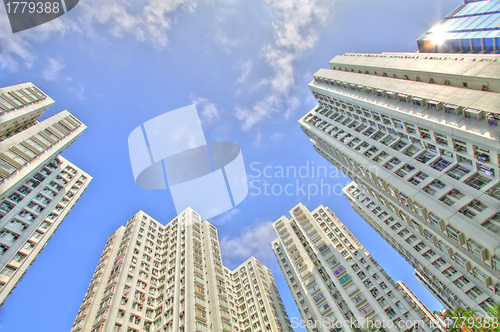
(150, 23)
(17, 48)
(54, 67)
(262, 109)
(258, 139)
(208, 110)
(246, 67)
(254, 241)
(295, 32)
(120, 18)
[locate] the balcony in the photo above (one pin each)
(425, 157)
(400, 144)
(441, 163)
(15, 264)
(459, 171)
(410, 152)
(389, 140)
(479, 180)
(4, 278)
(26, 248)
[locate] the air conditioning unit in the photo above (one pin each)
(434, 104)
(392, 95)
(473, 113)
(453, 109)
(419, 101)
(403, 97)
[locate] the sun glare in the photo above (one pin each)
(437, 38)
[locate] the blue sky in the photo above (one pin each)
(246, 65)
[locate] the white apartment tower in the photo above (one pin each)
(417, 133)
(153, 277)
(425, 314)
(337, 285)
(37, 186)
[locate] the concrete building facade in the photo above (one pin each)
(417, 133)
(336, 284)
(37, 186)
(154, 277)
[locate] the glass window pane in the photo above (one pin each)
(487, 21)
(495, 23)
(455, 23)
(493, 8)
(465, 22)
(469, 8)
(481, 8)
(477, 20)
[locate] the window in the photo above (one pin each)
(313, 288)
(7, 271)
(477, 181)
(338, 270)
(419, 177)
(358, 298)
(366, 309)
(474, 293)
(324, 307)
(493, 224)
(199, 289)
(466, 211)
(318, 297)
(453, 234)
(449, 272)
(494, 192)
(345, 279)
(477, 205)
(333, 262)
(390, 312)
(495, 263)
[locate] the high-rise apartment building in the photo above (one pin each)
(425, 314)
(153, 277)
(473, 27)
(20, 106)
(335, 282)
(37, 186)
(418, 135)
